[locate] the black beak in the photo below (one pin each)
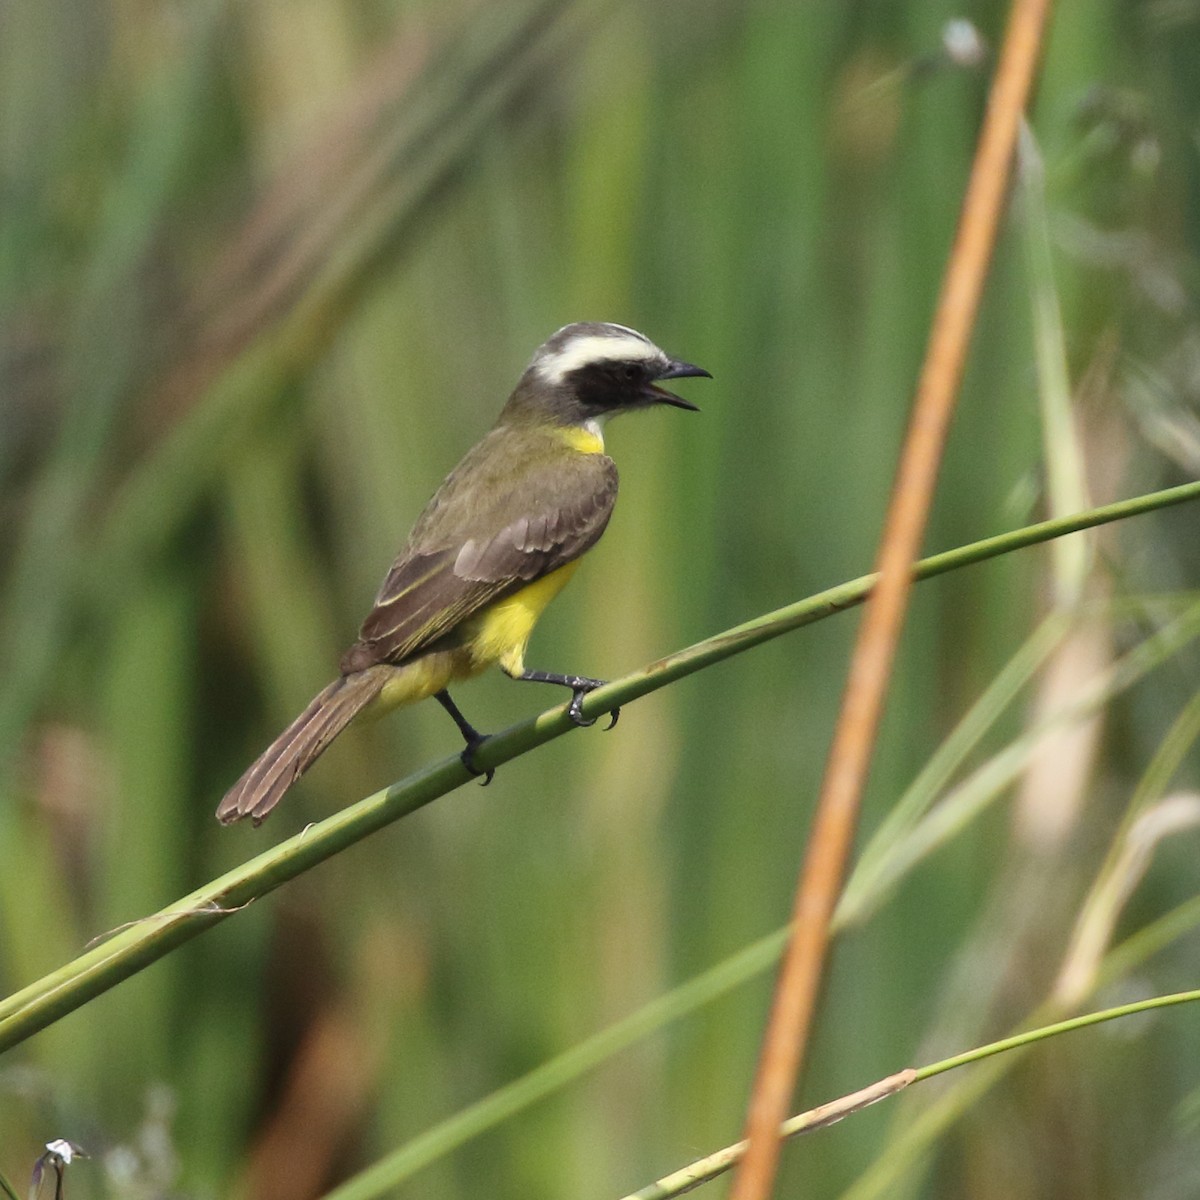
(677, 370)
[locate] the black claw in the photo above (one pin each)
(575, 710)
(467, 758)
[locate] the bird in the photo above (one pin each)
(497, 542)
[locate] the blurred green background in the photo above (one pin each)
(268, 268)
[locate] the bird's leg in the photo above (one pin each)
(580, 685)
(471, 736)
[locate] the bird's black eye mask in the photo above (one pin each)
(617, 384)
(624, 384)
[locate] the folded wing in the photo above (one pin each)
(446, 574)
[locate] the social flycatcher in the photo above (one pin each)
(494, 546)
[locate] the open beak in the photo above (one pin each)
(677, 370)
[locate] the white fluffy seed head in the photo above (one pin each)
(576, 346)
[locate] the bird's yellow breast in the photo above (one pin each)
(500, 633)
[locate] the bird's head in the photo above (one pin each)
(590, 371)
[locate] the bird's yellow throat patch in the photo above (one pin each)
(587, 439)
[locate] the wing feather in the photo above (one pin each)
(443, 577)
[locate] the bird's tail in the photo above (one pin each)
(300, 745)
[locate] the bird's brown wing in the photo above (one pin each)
(432, 588)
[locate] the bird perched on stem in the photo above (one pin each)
(494, 546)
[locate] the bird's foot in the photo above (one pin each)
(580, 686)
(471, 736)
(467, 758)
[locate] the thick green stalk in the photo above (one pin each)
(145, 941)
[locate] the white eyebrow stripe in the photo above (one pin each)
(594, 348)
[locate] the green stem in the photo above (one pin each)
(145, 941)
(1030, 1036)
(713, 1165)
